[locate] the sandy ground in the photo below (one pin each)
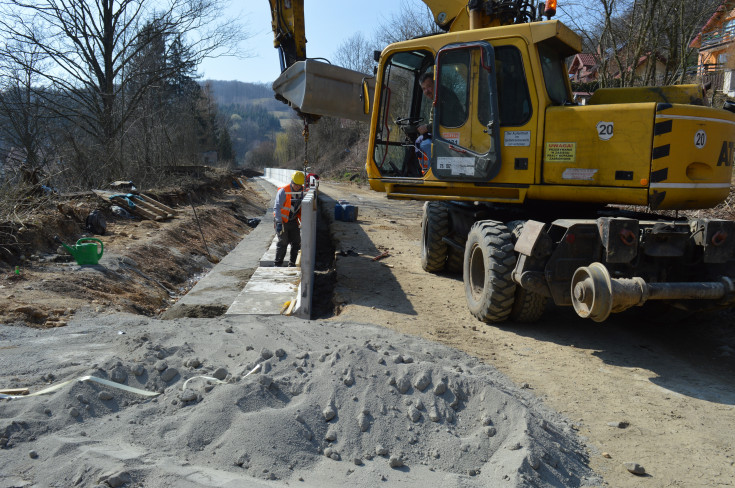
(349, 400)
(658, 394)
(251, 400)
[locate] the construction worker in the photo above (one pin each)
(287, 218)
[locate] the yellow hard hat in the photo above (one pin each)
(298, 178)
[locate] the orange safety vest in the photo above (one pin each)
(286, 207)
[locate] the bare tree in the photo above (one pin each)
(356, 53)
(639, 42)
(22, 113)
(414, 19)
(90, 46)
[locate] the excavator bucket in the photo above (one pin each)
(318, 88)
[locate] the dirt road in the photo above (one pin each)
(660, 395)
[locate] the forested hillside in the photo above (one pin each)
(252, 115)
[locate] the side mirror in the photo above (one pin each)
(365, 96)
(376, 56)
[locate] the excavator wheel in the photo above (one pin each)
(434, 227)
(488, 264)
(455, 260)
(528, 306)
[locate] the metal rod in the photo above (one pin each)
(196, 217)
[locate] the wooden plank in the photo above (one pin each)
(151, 208)
(158, 204)
(138, 210)
(14, 391)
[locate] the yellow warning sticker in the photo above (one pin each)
(561, 152)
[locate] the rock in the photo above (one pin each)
(486, 420)
(138, 370)
(534, 462)
(357, 461)
(335, 456)
(414, 414)
(188, 395)
(380, 450)
(73, 412)
(266, 353)
(329, 413)
(220, 373)
(635, 468)
(331, 436)
(265, 380)
(619, 425)
(228, 330)
(280, 353)
(490, 431)
(47, 411)
(606, 455)
(408, 359)
(105, 395)
(33, 454)
(440, 388)
(434, 415)
(349, 379)
(422, 381)
(363, 422)
(397, 359)
(169, 374)
(265, 367)
(395, 462)
(161, 366)
(403, 384)
(118, 375)
(119, 479)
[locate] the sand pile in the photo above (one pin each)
(329, 405)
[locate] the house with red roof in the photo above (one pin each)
(716, 44)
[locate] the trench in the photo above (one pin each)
(325, 271)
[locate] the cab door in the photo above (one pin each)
(465, 119)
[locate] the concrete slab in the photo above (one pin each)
(216, 291)
(267, 291)
(269, 258)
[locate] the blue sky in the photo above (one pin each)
(328, 23)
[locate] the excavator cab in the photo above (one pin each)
(402, 109)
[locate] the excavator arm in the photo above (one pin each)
(315, 88)
(289, 34)
(287, 20)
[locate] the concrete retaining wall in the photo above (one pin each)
(280, 177)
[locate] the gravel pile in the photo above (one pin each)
(254, 401)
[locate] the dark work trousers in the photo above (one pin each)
(291, 235)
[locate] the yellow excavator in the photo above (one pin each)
(531, 196)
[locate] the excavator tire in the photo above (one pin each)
(455, 260)
(528, 306)
(488, 265)
(434, 227)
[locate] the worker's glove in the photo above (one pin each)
(279, 228)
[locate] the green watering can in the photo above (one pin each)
(85, 252)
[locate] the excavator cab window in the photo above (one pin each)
(402, 109)
(466, 118)
(552, 66)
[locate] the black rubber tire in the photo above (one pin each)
(528, 306)
(455, 260)
(488, 264)
(434, 227)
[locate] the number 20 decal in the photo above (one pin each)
(700, 139)
(605, 130)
